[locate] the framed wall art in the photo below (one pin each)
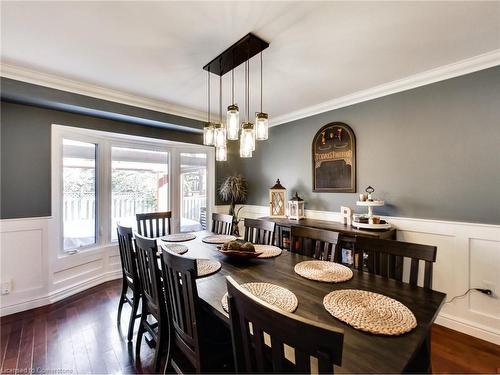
(334, 159)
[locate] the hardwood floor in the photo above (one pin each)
(80, 334)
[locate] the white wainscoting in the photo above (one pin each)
(468, 255)
(38, 277)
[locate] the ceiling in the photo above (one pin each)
(319, 51)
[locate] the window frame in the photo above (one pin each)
(104, 142)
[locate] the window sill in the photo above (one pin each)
(65, 260)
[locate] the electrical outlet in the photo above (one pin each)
(491, 286)
(6, 286)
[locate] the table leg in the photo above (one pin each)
(421, 362)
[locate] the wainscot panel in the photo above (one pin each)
(37, 276)
(468, 255)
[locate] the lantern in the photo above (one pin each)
(277, 195)
(296, 208)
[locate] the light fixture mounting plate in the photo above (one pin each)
(241, 51)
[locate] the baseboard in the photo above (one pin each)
(60, 294)
(468, 327)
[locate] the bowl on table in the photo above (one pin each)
(238, 249)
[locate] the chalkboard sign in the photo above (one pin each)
(334, 159)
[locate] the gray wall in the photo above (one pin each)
(431, 152)
(25, 153)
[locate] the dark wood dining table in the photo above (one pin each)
(362, 352)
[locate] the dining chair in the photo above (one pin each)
(386, 258)
(153, 300)
(154, 224)
(259, 231)
(203, 218)
(267, 339)
(222, 223)
(199, 343)
(317, 243)
(130, 277)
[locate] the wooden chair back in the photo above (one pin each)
(316, 243)
(259, 231)
(154, 224)
(179, 278)
(222, 223)
(203, 217)
(386, 258)
(127, 254)
(307, 338)
(150, 274)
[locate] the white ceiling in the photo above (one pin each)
(319, 51)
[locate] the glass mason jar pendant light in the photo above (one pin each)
(220, 131)
(208, 134)
(221, 153)
(233, 116)
(247, 136)
(246, 140)
(261, 118)
(208, 127)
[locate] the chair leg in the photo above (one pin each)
(122, 301)
(140, 333)
(133, 314)
(158, 348)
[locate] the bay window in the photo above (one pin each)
(101, 179)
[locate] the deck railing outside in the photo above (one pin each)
(81, 205)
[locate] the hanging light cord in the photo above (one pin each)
(220, 98)
(232, 85)
(248, 91)
(261, 81)
(208, 75)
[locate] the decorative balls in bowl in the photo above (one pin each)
(239, 249)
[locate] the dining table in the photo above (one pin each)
(362, 352)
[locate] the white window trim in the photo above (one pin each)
(106, 140)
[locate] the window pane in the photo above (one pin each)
(193, 191)
(79, 194)
(140, 183)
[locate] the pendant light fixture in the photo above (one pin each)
(220, 130)
(208, 127)
(233, 115)
(261, 118)
(248, 106)
(221, 153)
(246, 139)
(216, 133)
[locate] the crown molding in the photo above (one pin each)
(470, 65)
(83, 88)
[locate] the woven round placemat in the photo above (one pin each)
(178, 237)
(175, 248)
(207, 267)
(322, 270)
(270, 293)
(218, 238)
(268, 251)
(370, 312)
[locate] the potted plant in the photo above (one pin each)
(234, 190)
